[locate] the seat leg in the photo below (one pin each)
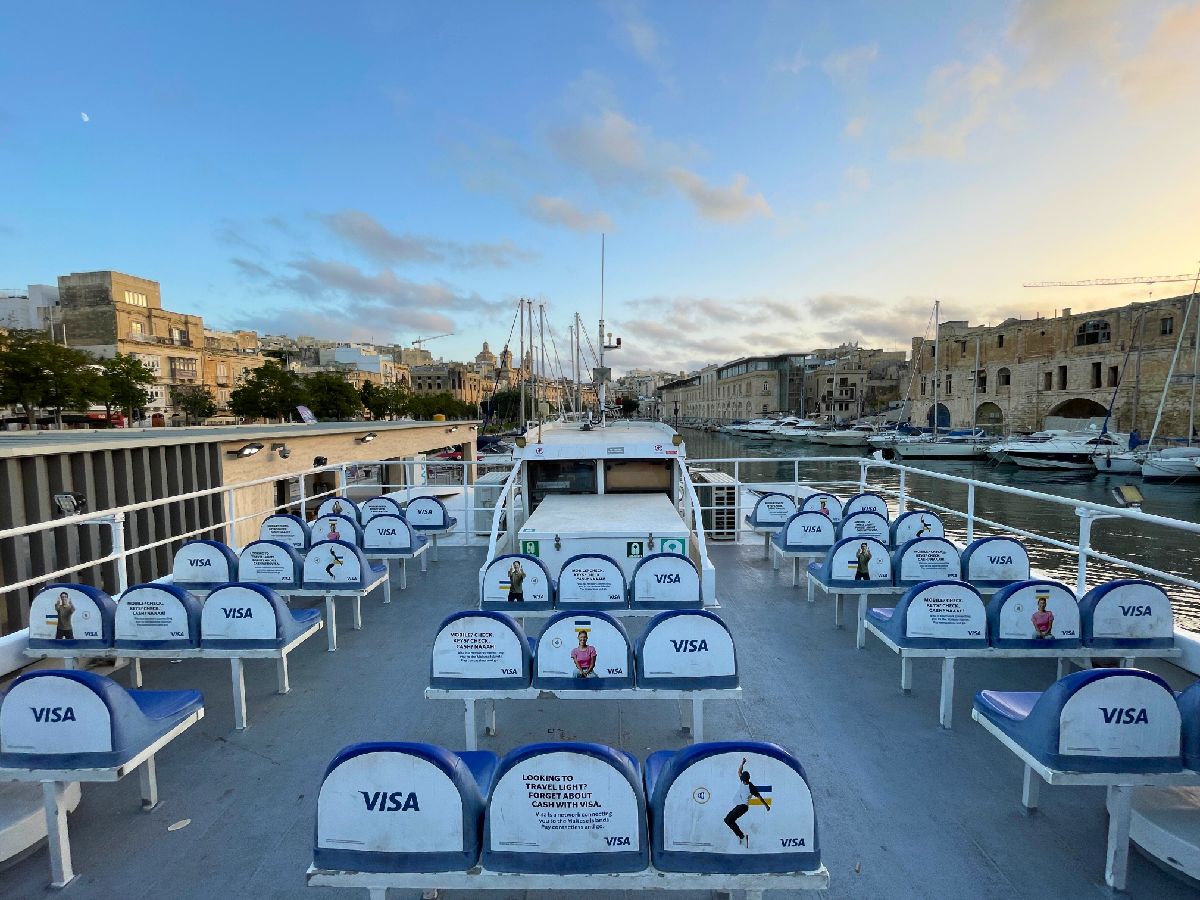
(377, 893)
(837, 610)
(239, 693)
(469, 723)
(1116, 863)
(425, 561)
(946, 707)
(1031, 784)
(795, 571)
(135, 672)
(766, 544)
(435, 553)
(774, 557)
(905, 674)
(1062, 667)
(281, 673)
(403, 574)
(58, 839)
(489, 725)
(387, 583)
(811, 591)
(357, 609)
(148, 782)
(860, 633)
(330, 622)
(697, 721)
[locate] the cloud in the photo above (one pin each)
(370, 237)
(856, 178)
(959, 100)
(250, 269)
(794, 65)
(1168, 67)
(721, 204)
(850, 65)
(229, 233)
(643, 39)
(558, 211)
(1055, 35)
(855, 127)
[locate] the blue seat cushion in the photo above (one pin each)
(881, 613)
(378, 568)
(1013, 705)
(306, 617)
(167, 704)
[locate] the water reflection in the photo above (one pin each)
(1153, 546)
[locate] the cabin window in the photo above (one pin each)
(565, 476)
(1093, 331)
(1096, 367)
(1114, 376)
(637, 476)
(1166, 325)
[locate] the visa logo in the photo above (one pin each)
(669, 578)
(618, 841)
(689, 645)
(387, 531)
(1000, 560)
(178, 634)
(53, 713)
(238, 612)
(616, 671)
(973, 633)
(396, 801)
(791, 842)
(1135, 611)
(811, 529)
(509, 672)
(200, 562)
(1129, 715)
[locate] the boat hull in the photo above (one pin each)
(1117, 465)
(935, 450)
(1068, 461)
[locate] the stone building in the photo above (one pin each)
(852, 382)
(1066, 367)
(456, 379)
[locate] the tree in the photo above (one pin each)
(269, 392)
(123, 383)
(503, 406)
(399, 398)
(35, 372)
(196, 401)
(332, 397)
(629, 405)
(376, 399)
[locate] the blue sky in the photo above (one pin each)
(771, 176)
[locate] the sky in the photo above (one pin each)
(770, 176)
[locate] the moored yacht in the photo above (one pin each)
(1172, 464)
(964, 444)
(1064, 450)
(855, 436)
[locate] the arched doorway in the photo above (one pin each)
(943, 416)
(1079, 408)
(990, 417)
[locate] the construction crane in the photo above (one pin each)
(421, 341)
(1096, 282)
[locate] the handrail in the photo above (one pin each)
(501, 503)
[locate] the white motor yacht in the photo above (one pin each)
(849, 437)
(1073, 450)
(1171, 464)
(801, 430)
(754, 426)
(967, 445)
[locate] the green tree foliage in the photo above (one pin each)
(426, 406)
(269, 392)
(629, 405)
(504, 406)
(375, 399)
(35, 372)
(332, 397)
(399, 397)
(123, 384)
(196, 401)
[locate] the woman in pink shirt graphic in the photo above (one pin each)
(584, 657)
(1043, 620)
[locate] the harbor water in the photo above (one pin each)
(1166, 549)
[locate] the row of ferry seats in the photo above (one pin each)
(809, 531)
(516, 581)
(1128, 614)
(990, 562)
(205, 565)
(679, 650)
(1101, 720)
(566, 808)
(384, 534)
(774, 509)
(423, 512)
(162, 617)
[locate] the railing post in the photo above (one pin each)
(737, 502)
(862, 475)
(1085, 545)
(796, 472)
(231, 523)
(902, 499)
(970, 513)
(468, 506)
(304, 497)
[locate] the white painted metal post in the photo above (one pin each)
(737, 502)
(330, 622)
(357, 624)
(58, 839)
(1030, 785)
(303, 498)
(862, 475)
(837, 610)
(231, 526)
(1116, 864)
(697, 720)
(135, 672)
(148, 781)
(281, 672)
(970, 513)
(902, 499)
(403, 574)
(118, 542)
(946, 707)
(905, 674)
(387, 581)
(469, 722)
(468, 516)
(489, 724)
(1085, 544)
(239, 693)
(860, 634)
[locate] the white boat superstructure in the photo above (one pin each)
(855, 436)
(800, 430)
(1074, 450)
(1171, 464)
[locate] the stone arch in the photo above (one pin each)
(1079, 408)
(943, 416)
(990, 417)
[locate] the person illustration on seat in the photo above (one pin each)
(823, 508)
(337, 507)
(336, 561)
(65, 609)
(745, 790)
(862, 572)
(584, 656)
(334, 534)
(1043, 620)
(925, 526)
(516, 581)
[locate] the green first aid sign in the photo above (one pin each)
(530, 548)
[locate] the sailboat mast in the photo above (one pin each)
(521, 362)
(975, 390)
(1195, 362)
(601, 385)
(937, 336)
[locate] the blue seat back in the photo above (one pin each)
(398, 807)
(538, 822)
(286, 528)
(335, 563)
(156, 617)
(583, 651)
(427, 513)
(665, 581)
(382, 505)
(842, 564)
(808, 532)
(238, 616)
(686, 649)
(82, 619)
(339, 506)
(926, 559)
(692, 791)
(941, 614)
(866, 502)
(917, 523)
(52, 719)
(336, 528)
(591, 581)
(865, 524)
(772, 510)
(1034, 613)
(202, 565)
(1189, 713)
(995, 562)
(272, 563)
(1128, 612)
(480, 649)
(825, 504)
(497, 584)
(390, 534)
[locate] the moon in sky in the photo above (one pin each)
(85, 117)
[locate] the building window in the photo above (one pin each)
(981, 381)
(1114, 376)
(137, 330)
(1096, 368)
(1166, 325)
(999, 340)
(134, 298)
(1047, 381)
(949, 384)
(1062, 378)
(1093, 331)
(1003, 378)
(923, 381)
